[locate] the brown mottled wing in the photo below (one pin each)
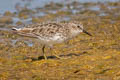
(47, 30)
(24, 32)
(40, 30)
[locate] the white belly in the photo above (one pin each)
(57, 38)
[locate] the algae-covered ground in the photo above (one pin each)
(95, 57)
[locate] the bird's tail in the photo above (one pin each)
(16, 29)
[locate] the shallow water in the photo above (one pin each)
(9, 5)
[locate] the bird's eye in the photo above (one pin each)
(78, 26)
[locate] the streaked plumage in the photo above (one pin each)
(52, 33)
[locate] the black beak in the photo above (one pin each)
(87, 33)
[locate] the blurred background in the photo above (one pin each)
(32, 10)
(6, 5)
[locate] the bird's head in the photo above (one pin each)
(77, 27)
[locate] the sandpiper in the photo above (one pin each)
(50, 33)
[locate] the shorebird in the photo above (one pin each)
(51, 33)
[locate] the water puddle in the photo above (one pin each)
(28, 43)
(12, 5)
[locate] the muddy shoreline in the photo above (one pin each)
(89, 58)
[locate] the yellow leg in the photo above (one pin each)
(43, 51)
(57, 56)
(54, 53)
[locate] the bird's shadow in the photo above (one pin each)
(53, 57)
